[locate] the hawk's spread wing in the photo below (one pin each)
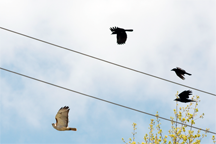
(62, 116)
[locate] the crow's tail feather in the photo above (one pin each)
(187, 73)
(129, 30)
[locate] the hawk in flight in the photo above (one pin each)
(121, 34)
(180, 72)
(184, 97)
(62, 120)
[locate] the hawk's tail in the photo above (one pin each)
(73, 129)
(187, 73)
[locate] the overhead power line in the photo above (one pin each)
(108, 61)
(101, 99)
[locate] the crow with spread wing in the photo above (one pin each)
(184, 97)
(121, 34)
(180, 72)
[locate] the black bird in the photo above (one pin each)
(180, 72)
(184, 97)
(121, 34)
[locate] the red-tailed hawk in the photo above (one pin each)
(121, 34)
(62, 120)
(180, 72)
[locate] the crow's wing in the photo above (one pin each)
(180, 75)
(116, 29)
(113, 29)
(121, 37)
(185, 94)
(181, 70)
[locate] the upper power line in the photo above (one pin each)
(108, 62)
(103, 100)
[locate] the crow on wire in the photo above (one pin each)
(121, 34)
(184, 97)
(180, 72)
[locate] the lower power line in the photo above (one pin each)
(101, 99)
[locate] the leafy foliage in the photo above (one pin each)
(179, 133)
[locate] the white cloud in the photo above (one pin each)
(166, 34)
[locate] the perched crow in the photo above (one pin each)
(180, 72)
(121, 34)
(184, 97)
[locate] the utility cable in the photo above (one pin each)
(107, 61)
(101, 99)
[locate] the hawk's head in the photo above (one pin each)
(54, 125)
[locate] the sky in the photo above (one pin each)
(166, 34)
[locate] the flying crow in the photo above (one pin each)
(121, 34)
(184, 97)
(180, 72)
